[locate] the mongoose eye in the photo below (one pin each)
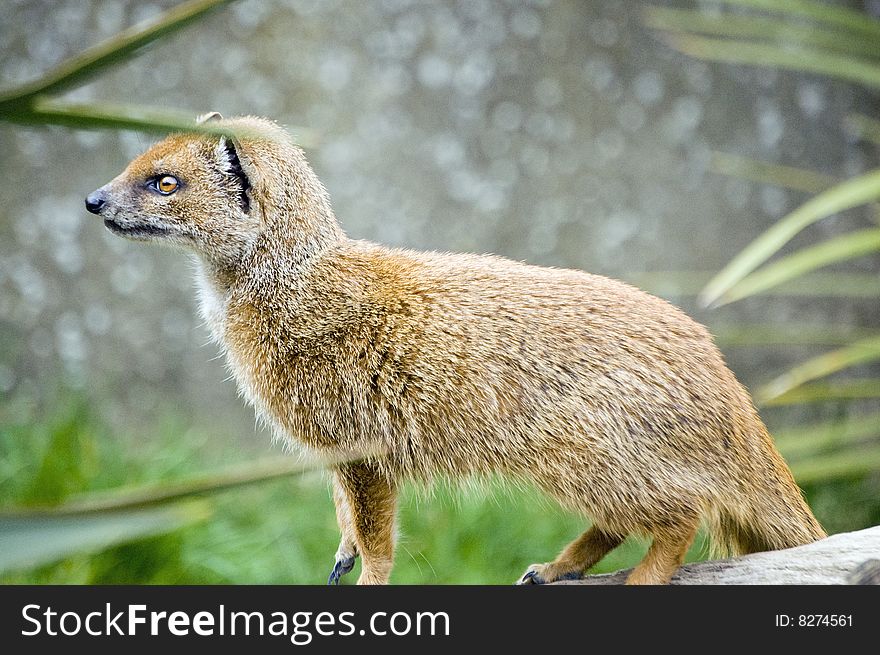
(167, 184)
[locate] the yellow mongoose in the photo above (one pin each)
(421, 364)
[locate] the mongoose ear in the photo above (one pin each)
(229, 164)
(209, 117)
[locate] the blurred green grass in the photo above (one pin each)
(284, 531)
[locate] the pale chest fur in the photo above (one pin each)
(212, 303)
(283, 389)
(213, 307)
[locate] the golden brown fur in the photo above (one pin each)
(610, 400)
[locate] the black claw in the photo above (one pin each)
(531, 577)
(341, 567)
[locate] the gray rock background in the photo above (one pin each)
(559, 132)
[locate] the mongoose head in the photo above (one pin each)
(219, 196)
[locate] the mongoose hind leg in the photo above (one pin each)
(371, 503)
(577, 557)
(668, 548)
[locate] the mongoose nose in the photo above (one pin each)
(95, 201)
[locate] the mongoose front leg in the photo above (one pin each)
(347, 551)
(369, 502)
(577, 557)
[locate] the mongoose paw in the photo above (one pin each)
(544, 573)
(532, 576)
(341, 567)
